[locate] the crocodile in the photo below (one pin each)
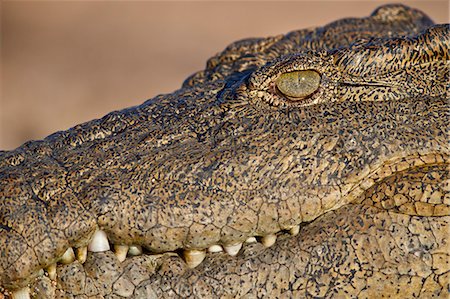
(309, 164)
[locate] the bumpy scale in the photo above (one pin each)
(250, 181)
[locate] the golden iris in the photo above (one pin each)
(298, 84)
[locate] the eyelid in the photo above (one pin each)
(298, 85)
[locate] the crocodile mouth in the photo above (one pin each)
(102, 260)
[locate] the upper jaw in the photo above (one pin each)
(193, 203)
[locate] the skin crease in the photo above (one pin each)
(360, 164)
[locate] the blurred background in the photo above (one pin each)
(63, 63)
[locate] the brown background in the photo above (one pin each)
(68, 62)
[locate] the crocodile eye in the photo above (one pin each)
(299, 84)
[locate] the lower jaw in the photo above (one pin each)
(344, 249)
(48, 280)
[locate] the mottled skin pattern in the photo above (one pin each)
(361, 165)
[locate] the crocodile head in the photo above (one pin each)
(316, 160)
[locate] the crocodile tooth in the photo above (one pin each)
(215, 248)
(193, 257)
(68, 256)
(268, 240)
(135, 250)
(23, 293)
(99, 242)
(233, 249)
(121, 252)
(294, 230)
(51, 270)
(251, 240)
(81, 253)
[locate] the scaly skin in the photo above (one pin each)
(361, 165)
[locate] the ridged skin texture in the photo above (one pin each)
(361, 165)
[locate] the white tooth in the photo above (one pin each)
(121, 252)
(251, 240)
(232, 249)
(99, 242)
(294, 230)
(215, 248)
(193, 257)
(68, 256)
(51, 270)
(135, 250)
(269, 240)
(23, 293)
(81, 253)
